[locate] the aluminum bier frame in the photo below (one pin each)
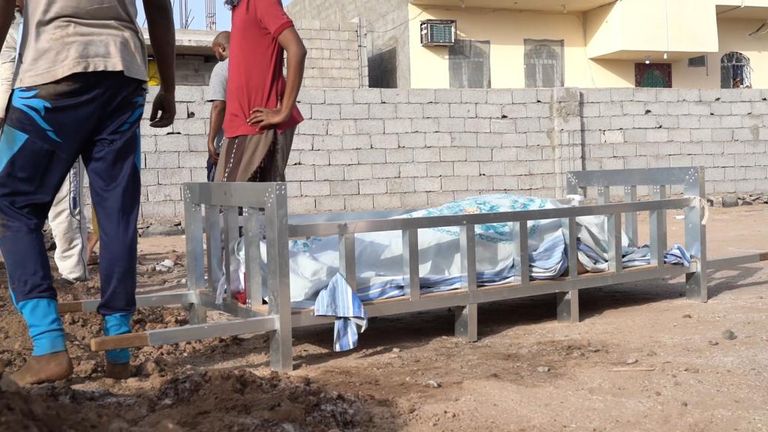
(212, 217)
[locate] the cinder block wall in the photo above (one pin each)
(362, 149)
(333, 55)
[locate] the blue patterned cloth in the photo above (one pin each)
(339, 301)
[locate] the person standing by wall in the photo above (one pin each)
(261, 114)
(82, 96)
(217, 95)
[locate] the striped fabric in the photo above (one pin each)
(338, 300)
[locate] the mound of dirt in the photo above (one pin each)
(191, 401)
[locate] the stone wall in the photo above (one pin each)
(361, 149)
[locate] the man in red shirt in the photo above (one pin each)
(261, 112)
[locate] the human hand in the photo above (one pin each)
(212, 154)
(163, 110)
(266, 118)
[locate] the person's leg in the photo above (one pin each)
(38, 146)
(69, 229)
(113, 164)
(93, 239)
(277, 161)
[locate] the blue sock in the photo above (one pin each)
(114, 325)
(44, 325)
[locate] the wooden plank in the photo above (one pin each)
(131, 340)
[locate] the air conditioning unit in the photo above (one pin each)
(438, 32)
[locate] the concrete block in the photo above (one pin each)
(735, 147)
(164, 193)
(373, 156)
(591, 110)
(463, 110)
(413, 170)
(416, 200)
(689, 95)
(505, 183)
(531, 182)
(524, 96)
(463, 139)
(609, 109)
(715, 148)
(357, 111)
(399, 155)
(538, 139)
(440, 110)
(597, 123)
(300, 142)
(397, 126)
(679, 108)
(382, 111)
(542, 167)
(690, 122)
(189, 127)
(731, 121)
(451, 124)
(632, 108)
(158, 211)
(387, 201)
(529, 153)
(690, 148)
(149, 177)
(492, 168)
(315, 158)
(658, 135)
(506, 126)
(466, 169)
(448, 96)
(499, 96)
(427, 184)
(624, 150)
(490, 111)
(706, 161)
(504, 154)
(490, 140)
(595, 95)
(667, 95)
(358, 203)
(451, 154)
(367, 96)
(741, 108)
(188, 94)
(440, 169)
(356, 142)
(311, 96)
(538, 109)
(699, 108)
(647, 122)
(373, 187)
(479, 154)
(173, 143)
(412, 140)
(193, 160)
(409, 111)
(721, 109)
(325, 173)
(648, 149)
(162, 160)
(514, 140)
(386, 141)
(477, 125)
(600, 151)
(481, 184)
(474, 96)
(344, 157)
(426, 155)
(622, 94)
(300, 173)
(149, 144)
(670, 148)
(680, 135)
(400, 185)
(747, 161)
(339, 96)
(315, 188)
(327, 204)
(613, 163)
(514, 111)
(394, 96)
(345, 187)
(326, 112)
(326, 142)
(758, 147)
(750, 134)
(428, 125)
(454, 183)
(313, 127)
(421, 96)
(623, 122)
(527, 125)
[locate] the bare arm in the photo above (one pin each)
(7, 12)
(218, 108)
(296, 54)
(162, 34)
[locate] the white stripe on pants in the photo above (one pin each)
(69, 227)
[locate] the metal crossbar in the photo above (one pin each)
(216, 215)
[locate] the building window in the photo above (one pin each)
(544, 63)
(469, 64)
(735, 71)
(657, 75)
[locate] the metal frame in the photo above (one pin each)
(211, 221)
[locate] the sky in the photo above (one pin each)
(197, 10)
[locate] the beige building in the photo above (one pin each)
(574, 43)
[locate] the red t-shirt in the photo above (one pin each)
(256, 65)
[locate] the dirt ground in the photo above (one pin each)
(642, 359)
